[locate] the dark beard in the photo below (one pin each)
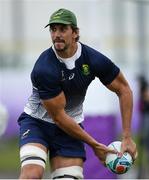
(60, 50)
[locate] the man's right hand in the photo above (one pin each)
(101, 151)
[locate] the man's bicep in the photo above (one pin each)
(55, 106)
(118, 84)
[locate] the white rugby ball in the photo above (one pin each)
(115, 163)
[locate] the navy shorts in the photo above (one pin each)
(59, 143)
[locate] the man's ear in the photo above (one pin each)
(76, 33)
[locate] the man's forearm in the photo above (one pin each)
(126, 107)
(55, 109)
(68, 125)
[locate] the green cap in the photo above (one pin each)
(63, 16)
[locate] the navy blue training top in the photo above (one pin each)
(50, 76)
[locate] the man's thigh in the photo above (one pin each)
(31, 131)
(65, 148)
(60, 162)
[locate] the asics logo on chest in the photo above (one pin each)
(64, 77)
(71, 76)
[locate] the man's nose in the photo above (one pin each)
(57, 33)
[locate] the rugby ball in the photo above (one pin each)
(116, 163)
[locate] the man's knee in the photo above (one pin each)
(30, 154)
(31, 172)
(33, 160)
(72, 172)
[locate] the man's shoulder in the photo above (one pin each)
(94, 56)
(46, 58)
(45, 55)
(46, 63)
(90, 50)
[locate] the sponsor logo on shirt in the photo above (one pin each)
(85, 69)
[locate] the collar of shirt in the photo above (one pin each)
(70, 62)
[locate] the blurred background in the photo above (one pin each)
(117, 28)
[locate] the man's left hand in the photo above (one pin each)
(128, 145)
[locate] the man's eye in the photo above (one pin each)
(53, 29)
(63, 29)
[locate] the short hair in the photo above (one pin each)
(76, 29)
